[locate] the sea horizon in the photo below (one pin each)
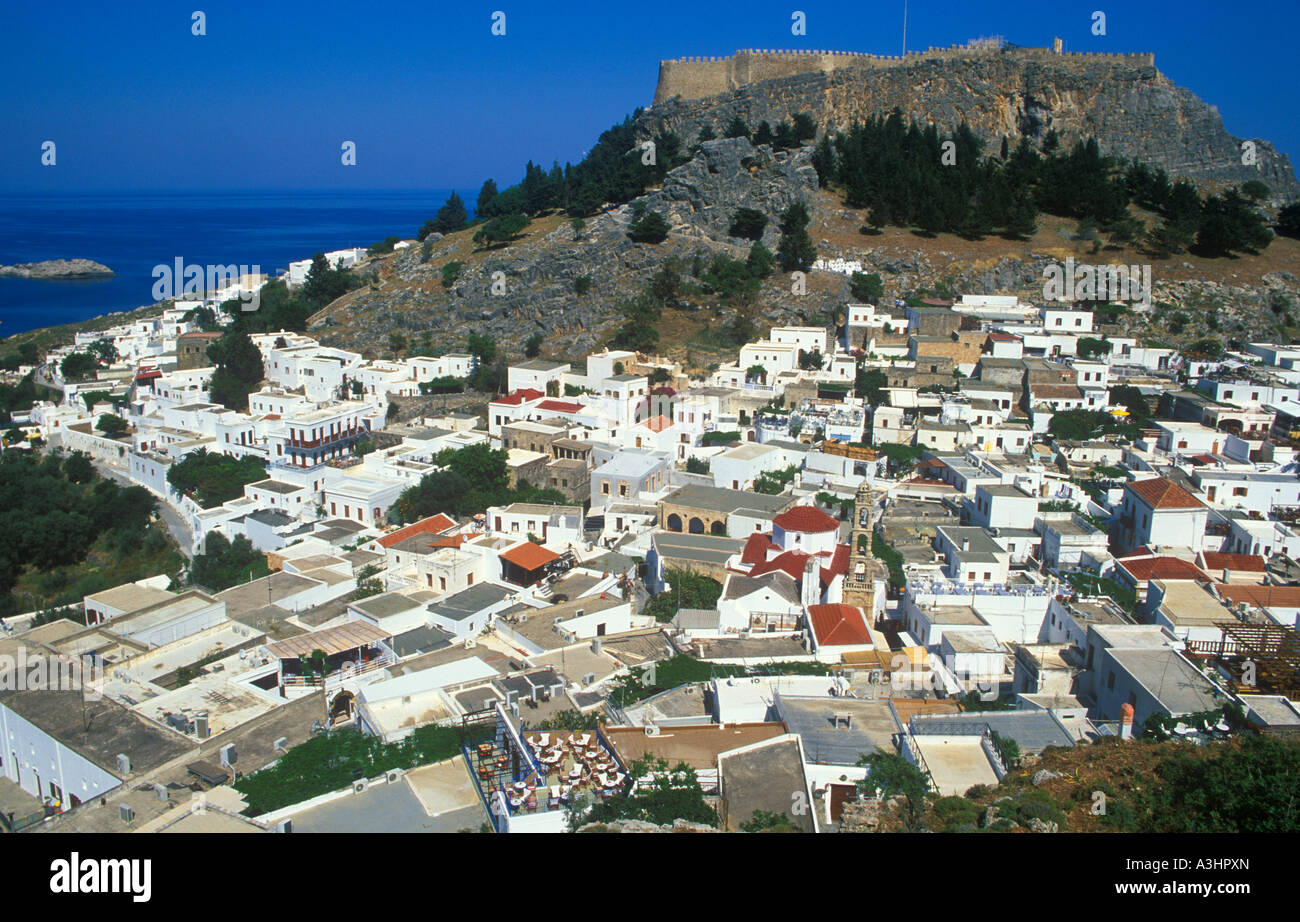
(133, 231)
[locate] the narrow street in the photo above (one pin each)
(178, 527)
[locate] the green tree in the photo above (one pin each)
(224, 563)
(486, 196)
(1254, 190)
(79, 468)
(795, 249)
(111, 425)
(867, 287)
(104, 350)
(239, 369)
(533, 345)
(638, 332)
(213, 478)
(760, 261)
(736, 128)
(324, 283)
(870, 383)
(748, 223)
(648, 228)
(502, 229)
(1288, 221)
(892, 775)
(688, 589)
(450, 218)
(482, 347)
(77, 366)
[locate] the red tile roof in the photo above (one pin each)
(454, 540)
(792, 562)
(529, 556)
(756, 547)
(433, 525)
(839, 564)
(560, 406)
(1145, 568)
(1250, 563)
(806, 519)
(838, 625)
(520, 396)
(1159, 493)
(1262, 596)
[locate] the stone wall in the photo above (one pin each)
(1132, 109)
(700, 77)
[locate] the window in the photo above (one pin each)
(1239, 491)
(1110, 682)
(604, 488)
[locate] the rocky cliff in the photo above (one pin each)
(1132, 109)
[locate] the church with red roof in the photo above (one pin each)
(804, 543)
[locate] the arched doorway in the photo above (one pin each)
(697, 526)
(718, 528)
(674, 522)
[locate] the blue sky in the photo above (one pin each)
(432, 99)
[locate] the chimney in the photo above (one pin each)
(1126, 721)
(1227, 575)
(965, 544)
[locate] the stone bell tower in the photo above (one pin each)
(860, 584)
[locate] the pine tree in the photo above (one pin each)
(483, 206)
(737, 128)
(795, 250)
(451, 217)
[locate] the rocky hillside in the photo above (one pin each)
(567, 284)
(536, 277)
(1244, 298)
(1132, 109)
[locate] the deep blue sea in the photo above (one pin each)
(133, 232)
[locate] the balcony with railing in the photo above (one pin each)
(327, 442)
